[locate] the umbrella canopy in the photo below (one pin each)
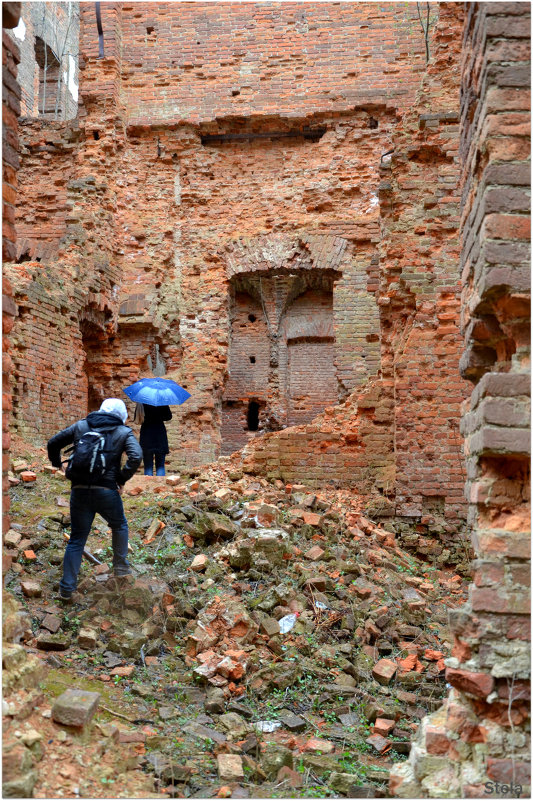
(157, 392)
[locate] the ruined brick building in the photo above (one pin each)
(315, 218)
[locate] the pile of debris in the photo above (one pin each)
(298, 644)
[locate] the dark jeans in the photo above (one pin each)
(84, 504)
(148, 458)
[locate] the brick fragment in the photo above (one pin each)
(479, 684)
(384, 670)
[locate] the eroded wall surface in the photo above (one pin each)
(401, 434)
(10, 165)
(47, 35)
(200, 219)
(479, 741)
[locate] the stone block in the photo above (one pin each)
(230, 767)
(87, 638)
(28, 476)
(51, 622)
(75, 707)
(199, 563)
(31, 589)
(52, 642)
(384, 726)
(269, 626)
(292, 722)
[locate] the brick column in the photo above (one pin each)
(481, 734)
(10, 114)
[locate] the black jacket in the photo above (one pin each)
(119, 439)
(153, 434)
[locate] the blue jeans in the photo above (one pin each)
(148, 458)
(84, 504)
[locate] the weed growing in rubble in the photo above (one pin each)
(394, 756)
(348, 764)
(72, 623)
(316, 791)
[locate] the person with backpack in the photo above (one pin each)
(94, 468)
(153, 436)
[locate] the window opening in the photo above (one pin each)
(252, 318)
(49, 80)
(252, 359)
(252, 416)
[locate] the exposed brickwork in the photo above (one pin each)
(48, 38)
(168, 268)
(196, 63)
(10, 164)
(418, 295)
(486, 718)
(227, 163)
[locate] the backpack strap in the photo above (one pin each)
(76, 439)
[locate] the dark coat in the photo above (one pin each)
(119, 439)
(153, 436)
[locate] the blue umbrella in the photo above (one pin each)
(157, 392)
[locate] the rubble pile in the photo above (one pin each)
(270, 636)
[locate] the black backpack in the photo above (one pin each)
(87, 463)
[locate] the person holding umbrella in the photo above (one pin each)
(153, 396)
(153, 436)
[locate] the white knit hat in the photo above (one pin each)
(115, 406)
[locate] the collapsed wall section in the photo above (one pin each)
(479, 741)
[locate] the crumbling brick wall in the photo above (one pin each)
(419, 299)
(482, 735)
(156, 262)
(148, 223)
(10, 165)
(47, 35)
(412, 448)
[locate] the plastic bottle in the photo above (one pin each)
(287, 623)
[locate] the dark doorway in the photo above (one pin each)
(252, 416)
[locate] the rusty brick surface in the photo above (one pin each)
(491, 654)
(10, 111)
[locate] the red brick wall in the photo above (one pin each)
(155, 262)
(195, 62)
(150, 230)
(411, 447)
(10, 164)
(487, 711)
(311, 371)
(420, 294)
